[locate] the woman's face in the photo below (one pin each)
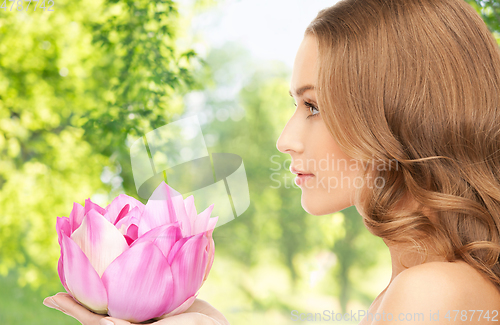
(306, 139)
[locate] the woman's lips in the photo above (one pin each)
(302, 178)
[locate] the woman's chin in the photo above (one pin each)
(320, 207)
(313, 207)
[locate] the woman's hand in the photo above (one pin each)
(200, 313)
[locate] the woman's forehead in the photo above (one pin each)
(304, 69)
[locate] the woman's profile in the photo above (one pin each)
(407, 95)
(403, 96)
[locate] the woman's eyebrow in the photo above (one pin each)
(302, 90)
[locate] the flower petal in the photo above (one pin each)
(76, 216)
(89, 205)
(175, 248)
(132, 218)
(116, 206)
(60, 271)
(191, 211)
(139, 283)
(182, 308)
(180, 210)
(211, 253)
(123, 213)
(99, 240)
(159, 211)
(128, 239)
(82, 280)
(188, 268)
(163, 237)
(211, 225)
(63, 225)
(201, 222)
(132, 232)
(63, 228)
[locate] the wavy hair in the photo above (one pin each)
(418, 82)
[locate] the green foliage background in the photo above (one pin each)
(77, 85)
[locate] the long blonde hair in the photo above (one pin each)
(418, 82)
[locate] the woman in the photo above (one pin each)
(403, 97)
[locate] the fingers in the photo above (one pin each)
(114, 321)
(191, 318)
(199, 313)
(203, 307)
(51, 303)
(66, 304)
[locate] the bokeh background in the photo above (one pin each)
(80, 83)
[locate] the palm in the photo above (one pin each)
(200, 312)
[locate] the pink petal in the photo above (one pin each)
(60, 271)
(191, 211)
(190, 206)
(76, 216)
(201, 222)
(165, 206)
(99, 240)
(132, 232)
(163, 237)
(188, 268)
(139, 283)
(128, 239)
(182, 308)
(124, 211)
(82, 280)
(177, 246)
(132, 218)
(159, 211)
(89, 205)
(211, 225)
(180, 211)
(129, 225)
(114, 208)
(63, 226)
(211, 253)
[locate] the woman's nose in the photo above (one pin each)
(290, 138)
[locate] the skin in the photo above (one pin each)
(311, 147)
(200, 313)
(423, 287)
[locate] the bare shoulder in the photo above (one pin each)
(440, 286)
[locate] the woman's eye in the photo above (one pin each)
(311, 109)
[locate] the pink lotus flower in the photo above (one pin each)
(134, 261)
